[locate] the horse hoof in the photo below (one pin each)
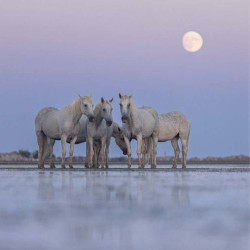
(63, 165)
(184, 166)
(174, 166)
(52, 165)
(71, 166)
(40, 166)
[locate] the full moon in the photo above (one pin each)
(192, 41)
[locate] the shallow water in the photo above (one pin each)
(124, 209)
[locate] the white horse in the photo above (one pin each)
(138, 123)
(82, 137)
(101, 131)
(52, 124)
(175, 125)
(97, 144)
(172, 126)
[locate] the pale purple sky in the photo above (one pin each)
(51, 51)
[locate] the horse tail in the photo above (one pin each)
(147, 148)
(188, 136)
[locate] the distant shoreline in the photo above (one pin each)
(135, 163)
(24, 157)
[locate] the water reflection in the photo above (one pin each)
(130, 188)
(45, 185)
(123, 210)
(180, 190)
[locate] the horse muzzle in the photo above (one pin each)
(109, 123)
(124, 119)
(91, 118)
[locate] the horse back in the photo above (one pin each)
(150, 121)
(173, 123)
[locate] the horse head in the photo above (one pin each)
(87, 107)
(125, 107)
(106, 111)
(119, 138)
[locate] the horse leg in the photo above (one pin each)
(176, 148)
(72, 144)
(126, 140)
(98, 156)
(63, 143)
(103, 140)
(139, 146)
(40, 141)
(96, 149)
(154, 154)
(148, 150)
(91, 151)
(51, 145)
(143, 151)
(107, 152)
(184, 143)
(94, 156)
(87, 155)
(45, 148)
(143, 160)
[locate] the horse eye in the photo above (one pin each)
(122, 139)
(104, 110)
(129, 105)
(85, 105)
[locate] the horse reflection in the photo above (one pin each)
(180, 190)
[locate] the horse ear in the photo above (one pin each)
(130, 96)
(80, 96)
(111, 100)
(102, 100)
(119, 129)
(120, 95)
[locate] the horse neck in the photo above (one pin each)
(133, 115)
(76, 117)
(98, 117)
(75, 110)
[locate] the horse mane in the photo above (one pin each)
(133, 106)
(73, 107)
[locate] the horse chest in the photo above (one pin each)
(97, 132)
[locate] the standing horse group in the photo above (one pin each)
(78, 122)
